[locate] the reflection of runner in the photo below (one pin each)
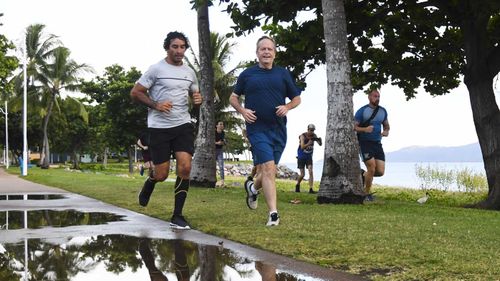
(147, 256)
(181, 265)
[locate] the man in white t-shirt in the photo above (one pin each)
(165, 88)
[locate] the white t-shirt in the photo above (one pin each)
(166, 82)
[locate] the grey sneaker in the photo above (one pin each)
(274, 219)
(179, 222)
(251, 198)
(146, 191)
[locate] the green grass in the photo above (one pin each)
(393, 238)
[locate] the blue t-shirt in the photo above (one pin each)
(364, 114)
(264, 90)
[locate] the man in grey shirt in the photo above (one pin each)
(165, 88)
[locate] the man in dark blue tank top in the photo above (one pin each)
(305, 156)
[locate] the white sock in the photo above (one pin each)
(252, 188)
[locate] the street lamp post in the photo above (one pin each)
(25, 113)
(6, 158)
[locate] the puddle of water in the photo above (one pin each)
(52, 218)
(122, 257)
(32, 197)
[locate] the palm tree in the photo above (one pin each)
(203, 166)
(341, 181)
(58, 74)
(220, 52)
(39, 48)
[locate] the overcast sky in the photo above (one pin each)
(131, 33)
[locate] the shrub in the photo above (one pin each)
(441, 178)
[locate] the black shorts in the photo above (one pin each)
(301, 163)
(165, 142)
(371, 149)
(146, 156)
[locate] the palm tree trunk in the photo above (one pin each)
(203, 171)
(105, 157)
(207, 258)
(45, 156)
(341, 181)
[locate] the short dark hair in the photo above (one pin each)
(175, 35)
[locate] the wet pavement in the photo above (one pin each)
(66, 236)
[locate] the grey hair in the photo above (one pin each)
(265, 37)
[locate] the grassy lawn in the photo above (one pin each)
(392, 238)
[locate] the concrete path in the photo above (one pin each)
(135, 224)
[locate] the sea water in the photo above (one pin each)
(403, 174)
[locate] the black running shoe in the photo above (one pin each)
(297, 188)
(179, 222)
(146, 191)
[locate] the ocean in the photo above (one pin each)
(403, 174)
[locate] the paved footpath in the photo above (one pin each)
(135, 224)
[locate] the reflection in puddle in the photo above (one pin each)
(33, 197)
(121, 257)
(45, 218)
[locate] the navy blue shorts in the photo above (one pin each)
(267, 146)
(371, 149)
(165, 142)
(301, 163)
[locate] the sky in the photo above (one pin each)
(130, 33)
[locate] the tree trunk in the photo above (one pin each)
(341, 180)
(130, 153)
(207, 262)
(76, 160)
(479, 74)
(45, 156)
(105, 157)
(203, 172)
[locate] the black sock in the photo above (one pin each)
(180, 191)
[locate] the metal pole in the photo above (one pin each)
(6, 136)
(25, 113)
(6, 154)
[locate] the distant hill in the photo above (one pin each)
(465, 153)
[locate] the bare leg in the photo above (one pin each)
(311, 178)
(370, 172)
(299, 179)
(266, 179)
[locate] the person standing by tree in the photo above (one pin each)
(371, 124)
(165, 89)
(220, 141)
(143, 143)
(265, 86)
(304, 156)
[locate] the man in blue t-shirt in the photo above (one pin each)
(371, 124)
(265, 86)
